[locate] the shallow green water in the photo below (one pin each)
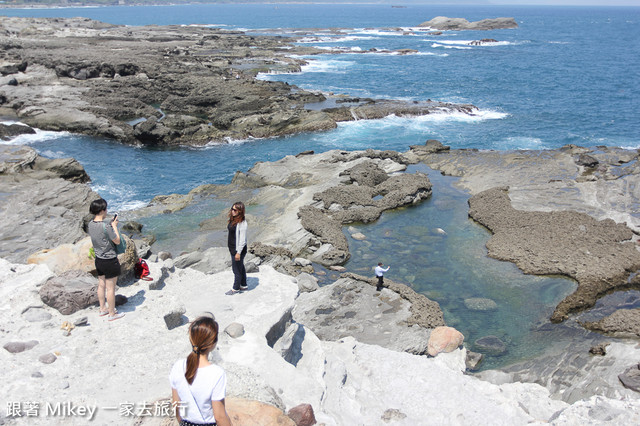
(452, 267)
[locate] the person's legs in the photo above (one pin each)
(101, 290)
(242, 271)
(235, 267)
(111, 295)
(380, 281)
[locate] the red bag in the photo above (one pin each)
(141, 270)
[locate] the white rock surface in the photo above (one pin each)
(107, 364)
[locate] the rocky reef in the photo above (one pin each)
(169, 85)
(461, 24)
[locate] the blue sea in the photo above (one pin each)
(566, 75)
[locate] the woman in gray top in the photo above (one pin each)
(104, 237)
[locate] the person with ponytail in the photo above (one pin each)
(197, 385)
(237, 242)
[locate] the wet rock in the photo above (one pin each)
(491, 345)
(47, 358)
(480, 304)
(458, 24)
(623, 322)
(132, 226)
(444, 339)
(17, 347)
(302, 415)
(358, 236)
(70, 292)
(473, 360)
(599, 349)
(234, 330)
(36, 314)
(587, 161)
(9, 131)
(631, 378)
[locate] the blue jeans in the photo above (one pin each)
(239, 273)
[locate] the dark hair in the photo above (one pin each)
(97, 206)
(234, 220)
(203, 334)
(379, 263)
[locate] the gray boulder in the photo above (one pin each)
(35, 314)
(70, 292)
(175, 317)
(631, 378)
(491, 345)
(458, 24)
(307, 283)
(17, 347)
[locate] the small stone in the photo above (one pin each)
(164, 255)
(359, 236)
(480, 304)
(47, 358)
(36, 314)
(17, 347)
(301, 261)
(473, 360)
(337, 268)
(302, 415)
(64, 385)
(307, 283)
(175, 317)
(491, 345)
(392, 415)
(600, 349)
(81, 321)
(37, 374)
(234, 330)
(251, 268)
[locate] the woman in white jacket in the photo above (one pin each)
(237, 242)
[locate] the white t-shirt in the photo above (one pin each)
(210, 384)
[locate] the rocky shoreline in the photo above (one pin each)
(352, 354)
(170, 85)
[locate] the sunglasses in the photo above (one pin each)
(233, 209)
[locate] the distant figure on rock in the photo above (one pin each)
(104, 238)
(237, 243)
(380, 274)
(198, 387)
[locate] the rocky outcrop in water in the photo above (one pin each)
(172, 85)
(459, 24)
(597, 254)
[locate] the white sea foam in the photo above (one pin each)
(436, 45)
(327, 65)
(333, 39)
(467, 43)
(521, 142)
(39, 136)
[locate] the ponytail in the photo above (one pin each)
(203, 334)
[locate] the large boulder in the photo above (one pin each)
(444, 339)
(249, 412)
(70, 292)
(66, 257)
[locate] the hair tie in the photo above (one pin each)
(195, 350)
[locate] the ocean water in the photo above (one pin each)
(565, 75)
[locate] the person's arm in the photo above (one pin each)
(175, 400)
(114, 226)
(387, 268)
(220, 413)
(241, 238)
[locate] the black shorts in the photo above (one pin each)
(110, 268)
